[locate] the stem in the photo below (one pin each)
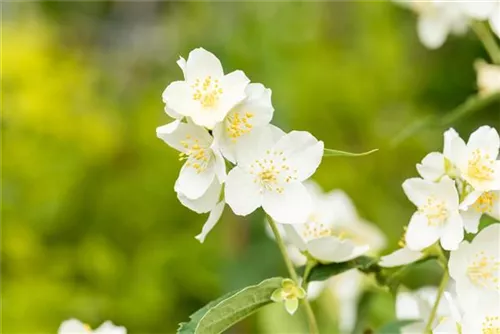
(442, 286)
(485, 36)
(307, 271)
(313, 327)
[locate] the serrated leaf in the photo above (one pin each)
(395, 326)
(222, 313)
(324, 271)
(336, 153)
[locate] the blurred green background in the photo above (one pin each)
(91, 226)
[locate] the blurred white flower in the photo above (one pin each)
(484, 319)
(73, 326)
(270, 174)
(400, 257)
(484, 10)
(475, 267)
(488, 77)
(436, 20)
(237, 131)
(203, 163)
(206, 95)
(417, 305)
(437, 217)
(449, 324)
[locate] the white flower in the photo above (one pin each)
(484, 319)
(475, 267)
(476, 161)
(437, 217)
(73, 326)
(417, 305)
(400, 257)
(484, 10)
(169, 111)
(449, 324)
(474, 206)
(238, 130)
(437, 19)
(332, 232)
(206, 95)
(270, 174)
(488, 77)
(203, 163)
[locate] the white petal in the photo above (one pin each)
(213, 218)
(471, 219)
(495, 21)
(400, 257)
(432, 30)
(418, 190)
(453, 232)
(179, 97)
(458, 261)
(432, 166)
(303, 150)
(73, 326)
(447, 191)
(201, 64)
(220, 167)
(192, 184)
(449, 135)
(342, 206)
(470, 199)
(407, 306)
(293, 235)
(330, 249)
(109, 328)
(241, 192)
(314, 289)
(258, 103)
(457, 151)
(181, 62)
(262, 139)
(233, 86)
(172, 113)
(419, 234)
(292, 206)
(176, 132)
(206, 202)
(479, 10)
(485, 138)
(495, 209)
(490, 234)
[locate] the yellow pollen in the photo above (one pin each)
(491, 325)
(87, 328)
(483, 271)
(196, 156)
(270, 175)
(207, 92)
(485, 202)
(480, 166)
(237, 124)
(435, 210)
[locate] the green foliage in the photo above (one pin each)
(222, 313)
(395, 327)
(322, 272)
(336, 153)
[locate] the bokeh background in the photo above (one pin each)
(91, 225)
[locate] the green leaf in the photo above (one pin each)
(324, 271)
(222, 313)
(336, 153)
(395, 326)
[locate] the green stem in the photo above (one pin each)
(485, 36)
(307, 271)
(442, 287)
(313, 327)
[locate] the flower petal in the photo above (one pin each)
(303, 151)
(432, 166)
(400, 257)
(486, 139)
(291, 305)
(477, 9)
(192, 184)
(206, 202)
(109, 328)
(201, 63)
(220, 167)
(471, 219)
(213, 219)
(179, 97)
(453, 232)
(292, 206)
(418, 190)
(419, 234)
(72, 326)
(293, 234)
(241, 192)
(174, 133)
(332, 249)
(495, 22)
(432, 30)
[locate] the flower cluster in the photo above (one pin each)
(438, 18)
(73, 326)
(224, 120)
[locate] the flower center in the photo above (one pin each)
(196, 156)
(480, 166)
(483, 271)
(491, 325)
(237, 124)
(207, 92)
(272, 171)
(435, 210)
(485, 202)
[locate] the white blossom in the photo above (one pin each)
(475, 267)
(484, 10)
(73, 326)
(206, 95)
(436, 20)
(270, 174)
(488, 78)
(483, 319)
(437, 217)
(238, 130)
(476, 204)
(400, 257)
(203, 163)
